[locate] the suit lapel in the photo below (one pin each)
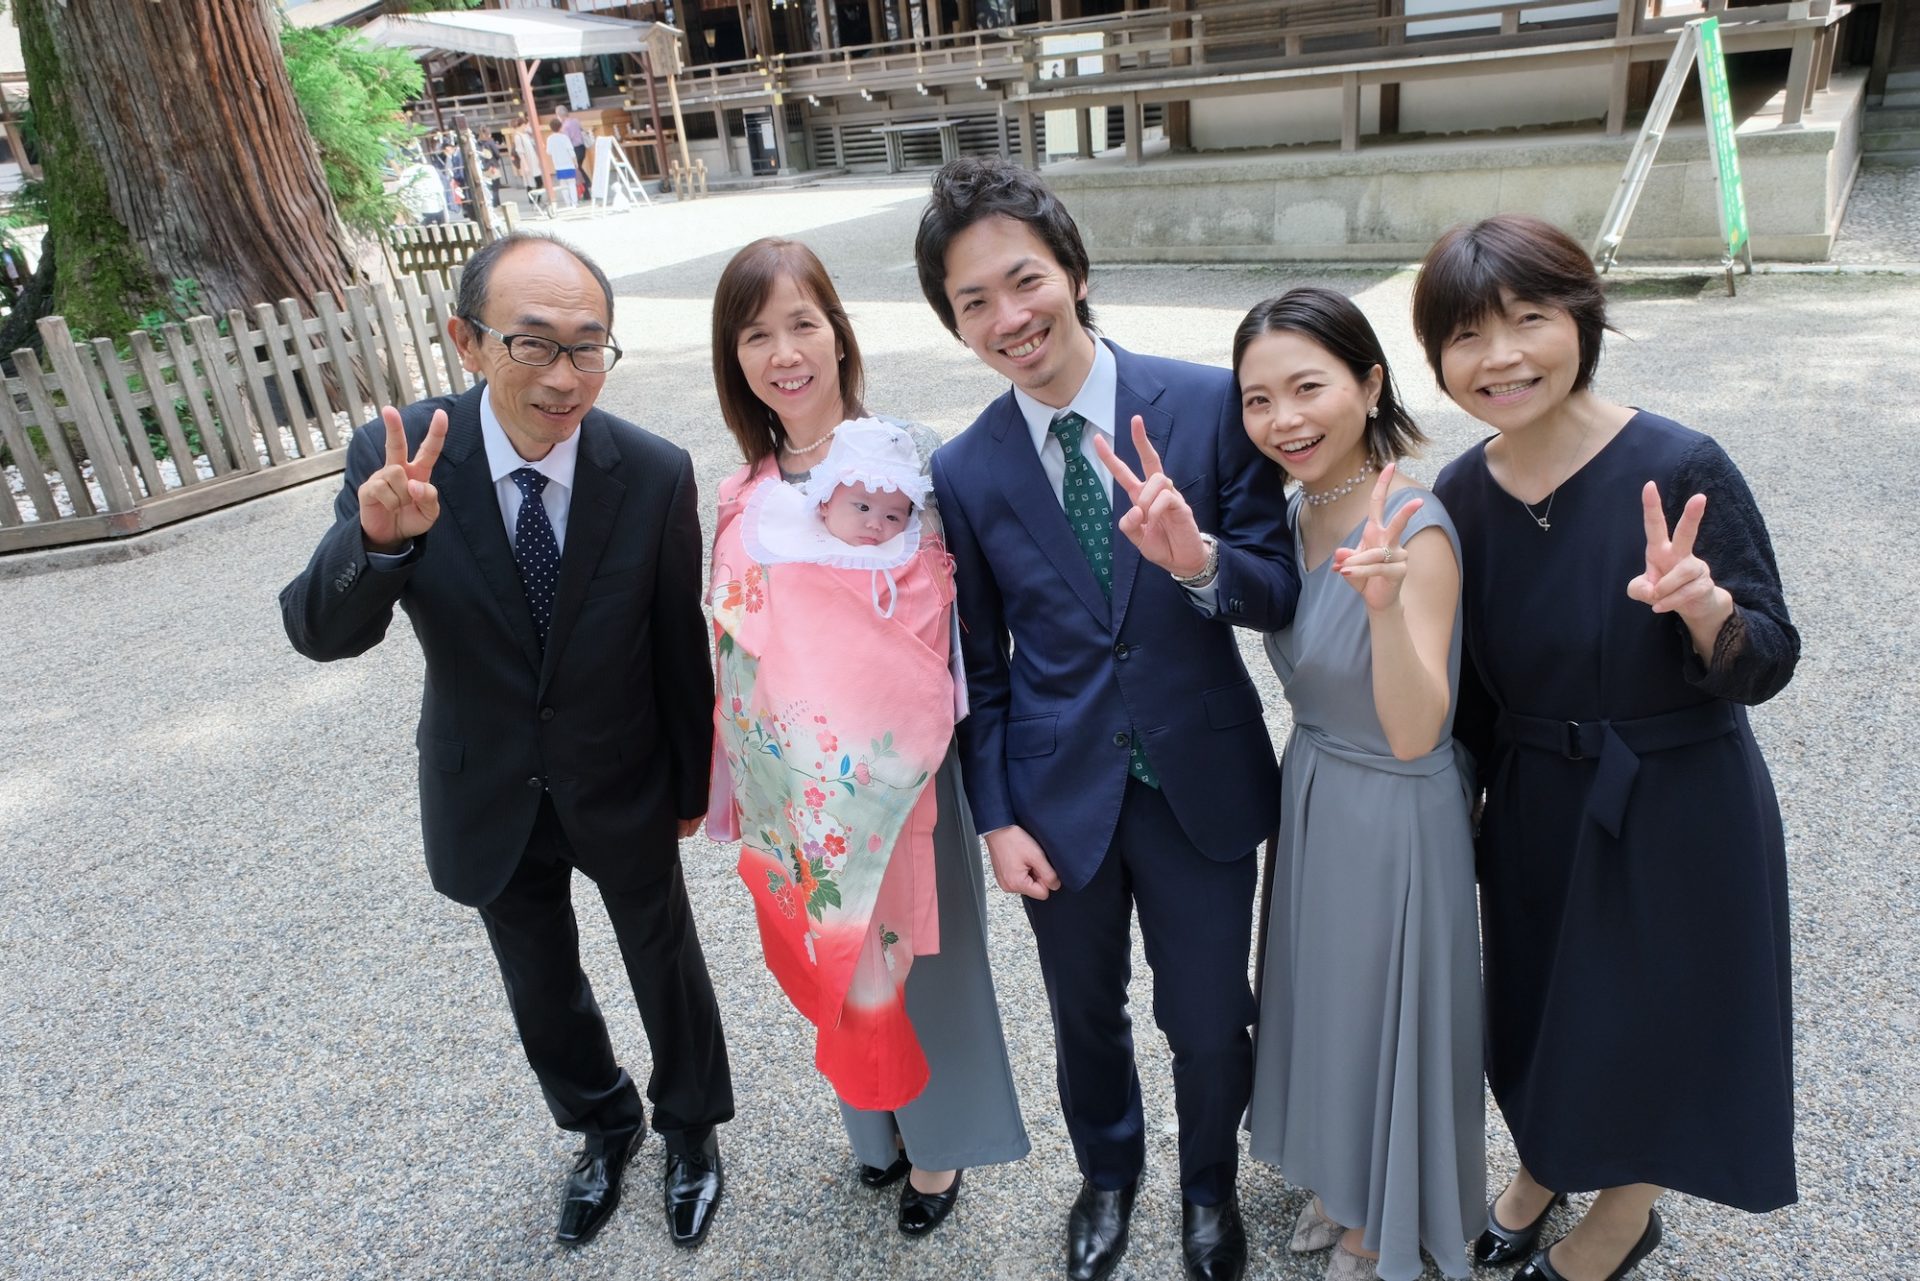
(597, 494)
(467, 491)
(1135, 392)
(1017, 468)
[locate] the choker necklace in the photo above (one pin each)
(1338, 491)
(791, 452)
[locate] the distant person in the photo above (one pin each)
(422, 190)
(525, 153)
(577, 139)
(1623, 611)
(560, 155)
(547, 555)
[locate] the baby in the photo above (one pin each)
(863, 517)
(857, 509)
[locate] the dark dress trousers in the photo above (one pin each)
(536, 761)
(1059, 679)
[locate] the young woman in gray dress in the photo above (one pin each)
(787, 370)
(1367, 1060)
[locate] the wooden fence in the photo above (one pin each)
(437, 250)
(114, 439)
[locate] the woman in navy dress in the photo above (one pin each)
(1622, 611)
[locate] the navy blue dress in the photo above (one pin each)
(1632, 865)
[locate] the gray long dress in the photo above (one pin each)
(1367, 1059)
(969, 1114)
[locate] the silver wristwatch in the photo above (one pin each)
(1207, 571)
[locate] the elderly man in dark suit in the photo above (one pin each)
(549, 558)
(1115, 757)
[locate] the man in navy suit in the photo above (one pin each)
(1115, 757)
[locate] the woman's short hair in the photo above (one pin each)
(1331, 320)
(1464, 273)
(972, 188)
(743, 290)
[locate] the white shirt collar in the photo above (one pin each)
(503, 459)
(1093, 402)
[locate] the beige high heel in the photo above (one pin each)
(1313, 1230)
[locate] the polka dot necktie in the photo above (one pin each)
(536, 550)
(1090, 514)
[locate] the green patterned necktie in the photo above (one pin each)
(1090, 514)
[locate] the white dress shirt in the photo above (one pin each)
(1095, 402)
(503, 460)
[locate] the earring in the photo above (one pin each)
(1373, 411)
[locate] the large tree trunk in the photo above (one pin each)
(175, 151)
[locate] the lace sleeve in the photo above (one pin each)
(1758, 647)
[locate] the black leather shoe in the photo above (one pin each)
(874, 1176)
(1097, 1230)
(921, 1212)
(1540, 1266)
(593, 1189)
(694, 1183)
(1213, 1240)
(1503, 1245)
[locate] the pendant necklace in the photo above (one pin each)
(1540, 517)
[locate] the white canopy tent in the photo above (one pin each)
(526, 37)
(520, 34)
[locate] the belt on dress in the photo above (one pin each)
(1617, 746)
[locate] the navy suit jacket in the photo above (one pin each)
(614, 719)
(1058, 676)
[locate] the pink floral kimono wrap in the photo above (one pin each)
(830, 721)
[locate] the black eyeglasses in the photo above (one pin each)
(532, 349)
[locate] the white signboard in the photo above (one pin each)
(577, 98)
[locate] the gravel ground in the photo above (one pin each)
(244, 1038)
(1882, 222)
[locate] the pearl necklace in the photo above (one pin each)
(1338, 491)
(791, 452)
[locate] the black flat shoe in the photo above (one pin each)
(693, 1186)
(1503, 1245)
(874, 1176)
(1097, 1230)
(593, 1190)
(921, 1212)
(1213, 1241)
(1540, 1266)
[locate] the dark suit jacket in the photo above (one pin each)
(615, 721)
(1044, 746)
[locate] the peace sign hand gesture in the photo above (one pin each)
(1677, 581)
(1160, 523)
(398, 503)
(1378, 566)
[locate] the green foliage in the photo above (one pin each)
(351, 93)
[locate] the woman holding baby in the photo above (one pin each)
(833, 759)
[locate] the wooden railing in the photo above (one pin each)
(111, 439)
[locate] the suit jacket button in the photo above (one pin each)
(546, 713)
(534, 783)
(1120, 739)
(1120, 651)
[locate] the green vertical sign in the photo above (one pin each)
(1726, 157)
